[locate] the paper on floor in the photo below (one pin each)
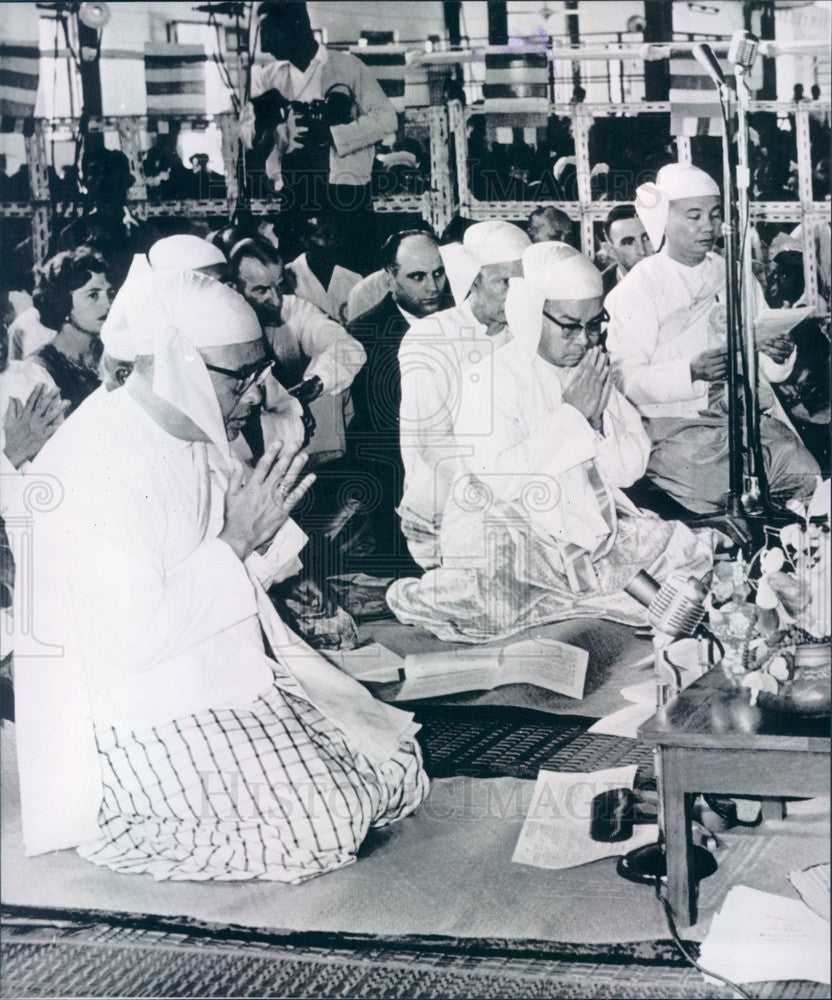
(760, 937)
(555, 833)
(372, 662)
(626, 721)
(813, 886)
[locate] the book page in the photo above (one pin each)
(555, 833)
(430, 675)
(549, 664)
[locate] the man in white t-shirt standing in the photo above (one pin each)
(314, 121)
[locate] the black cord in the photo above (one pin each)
(671, 924)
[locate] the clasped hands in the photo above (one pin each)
(589, 391)
(258, 505)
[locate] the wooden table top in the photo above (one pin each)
(713, 714)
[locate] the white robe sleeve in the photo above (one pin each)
(623, 444)
(334, 355)
(632, 340)
(281, 559)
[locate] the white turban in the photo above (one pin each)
(172, 316)
(184, 253)
(551, 270)
(484, 243)
(673, 182)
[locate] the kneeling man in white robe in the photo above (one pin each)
(535, 528)
(168, 723)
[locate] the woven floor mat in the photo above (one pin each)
(66, 957)
(489, 741)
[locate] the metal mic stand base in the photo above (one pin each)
(647, 865)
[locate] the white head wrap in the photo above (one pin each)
(551, 270)
(492, 242)
(673, 182)
(116, 334)
(173, 316)
(184, 253)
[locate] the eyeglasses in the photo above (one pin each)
(246, 376)
(594, 328)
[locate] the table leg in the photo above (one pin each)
(677, 809)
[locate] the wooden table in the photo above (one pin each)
(709, 739)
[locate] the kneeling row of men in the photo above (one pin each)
(185, 731)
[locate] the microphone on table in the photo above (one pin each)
(675, 609)
(704, 55)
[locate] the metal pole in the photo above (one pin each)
(755, 489)
(733, 314)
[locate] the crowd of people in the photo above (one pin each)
(490, 424)
(487, 426)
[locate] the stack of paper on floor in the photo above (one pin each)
(759, 937)
(555, 833)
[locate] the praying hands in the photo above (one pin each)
(257, 508)
(589, 391)
(28, 427)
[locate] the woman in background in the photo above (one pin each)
(73, 296)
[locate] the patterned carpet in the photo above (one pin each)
(73, 955)
(96, 954)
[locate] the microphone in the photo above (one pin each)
(676, 609)
(743, 49)
(704, 55)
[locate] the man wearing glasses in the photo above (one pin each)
(535, 528)
(178, 680)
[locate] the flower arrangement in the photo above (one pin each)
(771, 614)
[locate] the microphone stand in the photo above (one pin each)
(733, 306)
(755, 496)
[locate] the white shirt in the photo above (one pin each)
(367, 294)
(662, 315)
(294, 84)
(331, 300)
(438, 356)
(309, 338)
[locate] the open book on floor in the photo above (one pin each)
(547, 663)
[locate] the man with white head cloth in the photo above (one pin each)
(181, 730)
(535, 528)
(437, 356)
(667, 340)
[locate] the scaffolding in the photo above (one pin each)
(449, 193)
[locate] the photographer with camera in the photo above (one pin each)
(312, 125)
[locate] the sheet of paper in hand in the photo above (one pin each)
(774, 322)
(555, 833)
(546, 663)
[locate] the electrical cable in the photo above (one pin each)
(674, 933)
